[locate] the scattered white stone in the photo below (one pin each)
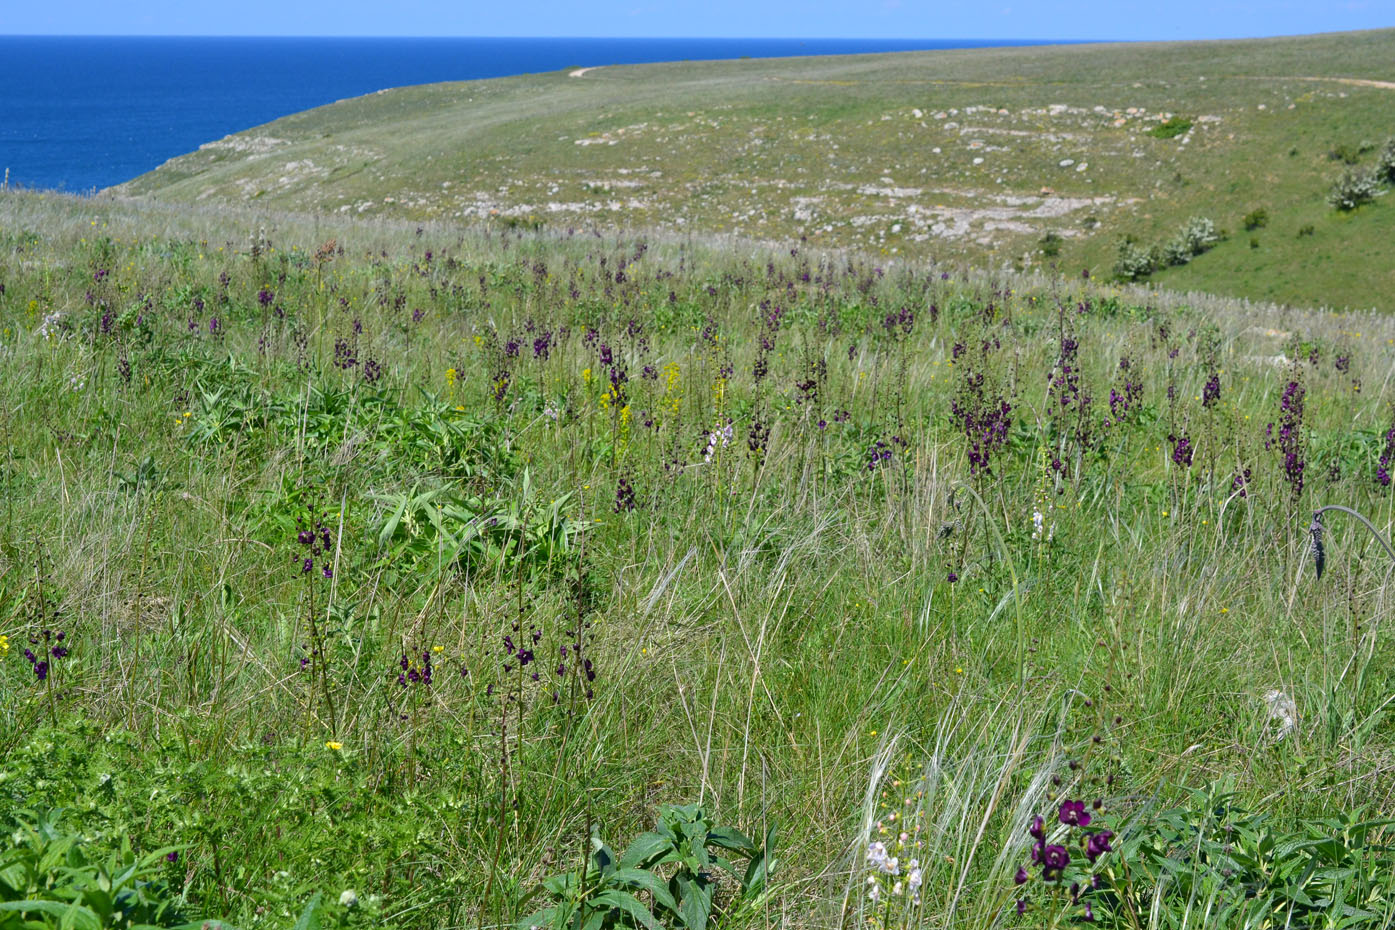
(1082, 166)
(917, 114)
(1067, 162)
(978, 161)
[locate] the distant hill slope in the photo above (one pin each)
(972, 155)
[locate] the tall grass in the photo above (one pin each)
(773, 629)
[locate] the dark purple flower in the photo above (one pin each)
(1073, 814)
(1182, 451)
(1097, 844)
(1054, 859)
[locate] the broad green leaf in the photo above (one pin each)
(310, 917)
(646, 849)
(647, 881)
(733, 839)
(630, 905)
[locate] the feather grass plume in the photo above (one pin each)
(1315, 530)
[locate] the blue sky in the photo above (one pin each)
(1048, 19)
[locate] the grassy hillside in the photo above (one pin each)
(971, 155)
(366, 570)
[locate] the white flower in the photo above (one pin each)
(896, 889)
(1037, 521)
(1283, 714)
(914, 879)
(874, 891)
(876, 854)
(49, 328)
(348, 898)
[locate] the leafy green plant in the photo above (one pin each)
(1213, 856)
(1257, 218)
(672, 865)
(438, 528)
(48, 879)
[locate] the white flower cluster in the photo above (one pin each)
(882, 863)
(719, 438)
(49, 328)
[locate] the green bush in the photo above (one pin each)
(1174, 252)
(1354, 188)
(1198, 234)
(1050, 245)
(1257, 218)
(1349, 154)
(1134, 262)
(1170, 129)
(1385, 163)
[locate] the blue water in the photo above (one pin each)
(78, 113)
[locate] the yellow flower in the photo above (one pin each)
(4, 645)
(334, 746)
(438, 648)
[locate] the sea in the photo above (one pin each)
(79, 114)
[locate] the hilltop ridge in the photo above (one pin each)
(1021, 156)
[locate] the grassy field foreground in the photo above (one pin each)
(360, 574)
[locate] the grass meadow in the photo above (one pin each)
(382, 574)
(1028, 158)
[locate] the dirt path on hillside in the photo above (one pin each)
(581, 72)
(1354, 82)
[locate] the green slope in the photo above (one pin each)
(970, 155)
